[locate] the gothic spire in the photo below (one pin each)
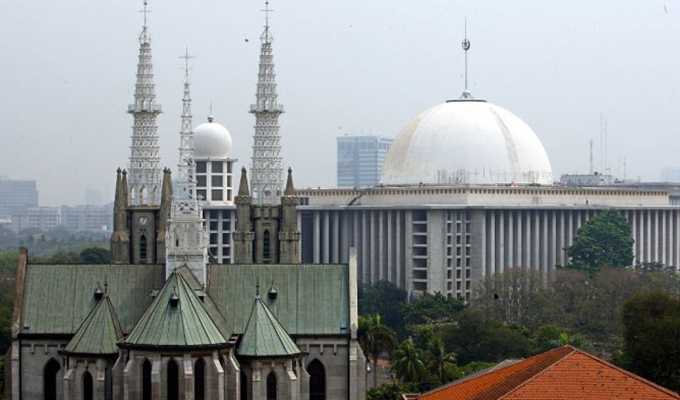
(243, 185)
(266, 171)
(186, 168)
(290, 189)
(144, 168)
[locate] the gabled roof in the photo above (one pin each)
(264, 336)
(99, 333)
(561, 373)
(311, 299)
(176, 318)
(57, 298)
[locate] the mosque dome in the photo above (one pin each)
(467, 141)
(211, 141)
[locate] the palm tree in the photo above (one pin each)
(408, 363)
(440, 362)
(375, 339)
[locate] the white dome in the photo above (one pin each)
(211, 141)
(467, 141)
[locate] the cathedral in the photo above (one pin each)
(168, 319)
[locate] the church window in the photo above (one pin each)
(317, 380)
(217, 195)
(266, 244)
(50, 373)
(88, 388)
(244, 385)
(199, 380)
(142, 248)
(200, 167)
(217, 166)
(172, 380)
(146, 380)
(271, 386)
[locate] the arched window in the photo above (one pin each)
(173, 380)
(87, 386)
(142, 248)
(199, 380)
(271, 386)
(50, 379)
(266, 244)
(108, 384)
(317, 380)
(244, 386)
(146, 380)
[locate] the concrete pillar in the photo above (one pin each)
(344, 231)
(536, 236)
(492, 243)
(326, 246)
(553, 241)
(398, 246)
(299, 226)
(676, 239)
(519, 241)
(373, 249)
(481, 224)
(527, 239)
(365, 251)
(390, 248)
(380, 262)
(544, 243)
(317, 237)
(634, 235)
(511, 240)
(648, 237)
(408, 250)
(336, 237)
(562, 243)
(500, 268)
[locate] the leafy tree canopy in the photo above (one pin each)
(385, 299)
(605, 240)
(430, 308)
(95, 255)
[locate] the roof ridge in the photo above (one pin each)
(543, 370)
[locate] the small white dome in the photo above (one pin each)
(467, 141)
(211, 141)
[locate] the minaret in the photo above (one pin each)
(267, 170)
(144, 170)
(186, 240)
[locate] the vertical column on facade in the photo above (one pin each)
(562, 242)
(668, 240)
(648, 236)
(633, 231)
(500, 267)
(373, 249)
(544, 242)
(553, 241)
(381, 247)
(232, 229)
(482, 234)
(408, 250)
(519, 240)
(676, 239)
(390, 247)
(527, 239)
(326, 247)
(317, 237)
(398, 247)
(365, 251)
(344, 232)
(336, 237)
(536, 235)
(492, 243)
(511, 239)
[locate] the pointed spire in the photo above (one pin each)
(243, 185)
(125, 188)
(144, 165)
(119, 204)
(186, 167)
(466, 47)
(267, 170)
(290, 189)
(264, 336)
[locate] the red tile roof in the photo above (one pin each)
(563, 373)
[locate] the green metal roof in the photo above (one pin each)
(176, 318)
(311, 299)
(99, 333)
(57, 298)
(264, 336)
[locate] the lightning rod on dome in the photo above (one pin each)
(466, 47)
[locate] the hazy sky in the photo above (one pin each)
(67, 72)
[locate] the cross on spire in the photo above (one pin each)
(146, 11)
(267, 11)
(186, 57)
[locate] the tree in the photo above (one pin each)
(605, 240)
(652, 338)
(95, 255)
(429, 308)
(375, 339)
(407, 362)
(441, 365)
(390, 391)
(385, 299)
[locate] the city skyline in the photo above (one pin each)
(558, 74)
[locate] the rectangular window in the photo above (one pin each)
(458, 263)
(226, 226)
(457, 274)
(226, 251)
(229, 166)
(225, 238)
(213, 238)
(229, 195)
(467, 273)
(212, 251)
(217, 180)
(200, 194)
(216, 195)
(217, 166)
(200, 167)
(213, 225)
(467, 262)
(201, 181)
(229, 181)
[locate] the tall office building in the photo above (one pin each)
(16, 196)
(360, 160)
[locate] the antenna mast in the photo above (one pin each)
(466, 47)
(591, 170)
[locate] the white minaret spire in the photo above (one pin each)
(466, 47)
(144, 172)
(267, 165)
(186, 241)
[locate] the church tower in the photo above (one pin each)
(120, 239)
(267, 170)
(186, 241)
(144, 167)
(243, 236)
(289, 235)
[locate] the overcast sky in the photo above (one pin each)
(67, 72)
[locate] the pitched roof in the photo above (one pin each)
(99, 333)
(57, 298)
(177, 317)
(264, 336)
(311, 299)
(561, 373)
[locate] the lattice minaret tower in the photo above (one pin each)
(144, 172)
(186, 240)
(267, 165)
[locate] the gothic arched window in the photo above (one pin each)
(146, 380)
(317, 380)
(271, 386)
(199, 380)
(50, 373)
(173, 380)
(244, 385)
(142, 248)
(88, 387)
(266, 245)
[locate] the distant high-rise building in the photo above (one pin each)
(39, 218)
(16, 196)
(360, 160)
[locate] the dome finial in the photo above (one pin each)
(466, 47)
(211, 116)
